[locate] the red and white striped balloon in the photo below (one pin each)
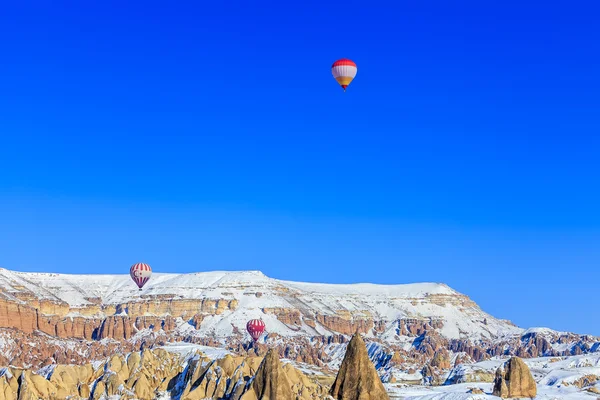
(140, 273)
(255, 328)
(344, 71)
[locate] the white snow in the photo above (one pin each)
(187, 349)
(541, 330)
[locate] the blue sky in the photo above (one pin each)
(197, 137)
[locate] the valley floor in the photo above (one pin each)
(459, 392)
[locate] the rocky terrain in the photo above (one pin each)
(417, 334)
(186, 372)
(159, 373)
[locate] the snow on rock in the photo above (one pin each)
(254, 292)
(186, 349)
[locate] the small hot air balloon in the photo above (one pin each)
(140, 273)
(344, 71)
(255, 328)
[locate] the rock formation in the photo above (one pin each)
(441, 359)
(270, 381)
(430, 376)
(147, 374)
(475, 391)
(514, 380)
(357, 378)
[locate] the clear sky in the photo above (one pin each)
(211, 135)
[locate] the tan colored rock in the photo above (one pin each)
(346, 322)
(357, 378)
(514, 380)
(253, 364)
(99, 390)
(229, 364)
(475, 391)
(584, 381)
(441, 359)
(594, 390)
(141, 375)
(142, 389)
(416, 327)
(6, 391)
(66, 379)
(270, 381)
(207, 388)
(430, 376)
(462, 358)
(34, 387)
(113, 384)
(285, 315)
(84, 391)
(134, 361)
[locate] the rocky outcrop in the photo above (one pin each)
(441, 359)
(357, 378)
(416, 327)
(514, 380)
(345, 322)
(475, 391)
(270, 381)
(287, 316)
(468, 373)
(430, 376)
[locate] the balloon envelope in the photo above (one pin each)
(255, 328)
(344, 71)
(140, 273)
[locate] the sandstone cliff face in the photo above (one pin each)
(514, 380)
(345, 323)
(28, 318)
(357, 378)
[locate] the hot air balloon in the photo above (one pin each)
(140, 273)
(344, 71)
(255, 328)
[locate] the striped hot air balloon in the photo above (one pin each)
(140, 273)
(344, 71)
(255, 328)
